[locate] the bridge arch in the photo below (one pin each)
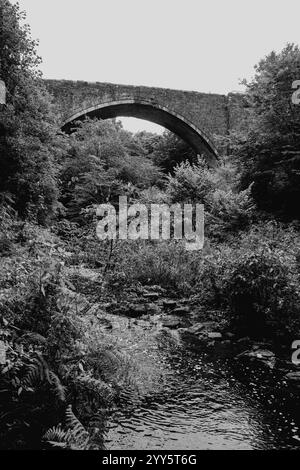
(150, 111)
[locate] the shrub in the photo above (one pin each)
(261, 294)
(168, 264)
(228, 212)
(190, 183)
(208, 286)
(29, 390)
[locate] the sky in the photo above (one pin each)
(206, 46)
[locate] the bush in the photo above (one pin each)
(168, 264)
(261, 294)
(228, 212)
(29, 390)
(190, 183)
(208, 285)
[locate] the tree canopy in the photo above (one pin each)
(269, 153)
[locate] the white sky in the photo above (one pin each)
(182, 44)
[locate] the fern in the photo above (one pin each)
(58, 388)
(74, 437)
(95, 387)
(79, 437)
(57, 437)
(38, 372)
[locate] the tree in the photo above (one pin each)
(169, 151)
(29, 141)
(102, 162)
(269, 153)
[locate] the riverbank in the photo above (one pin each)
(156, 330)
(200, 327)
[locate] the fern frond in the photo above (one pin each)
(38, 371)
(74, 437)
(56, 437)
(78, 437)
(96, 386)
(59, 389)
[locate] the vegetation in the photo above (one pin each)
(268, 154)
(57, 364)
(28, 144)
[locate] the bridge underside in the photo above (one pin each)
(154, 113)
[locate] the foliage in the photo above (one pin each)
(56, 355)
(227, 210)
(268, 154)
(169, 150)
(262, 297)
(102, 163)
(27, 386)
(190, 183)
(7, 215)
(28, 132)
(166, 263)
(75, 437)
(254, 280)
(54, 351)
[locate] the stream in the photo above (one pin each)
(181, 398)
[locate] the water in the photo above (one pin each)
(183, 399)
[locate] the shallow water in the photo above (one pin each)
(183, 399)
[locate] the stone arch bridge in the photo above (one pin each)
(196, 117)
